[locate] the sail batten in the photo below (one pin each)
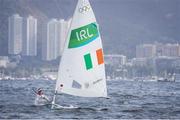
(82, 70)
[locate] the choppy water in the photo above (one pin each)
(154, 100)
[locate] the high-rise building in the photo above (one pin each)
(158, 49)
(139, 51)
(62, 35)
(171, 50)
(4, 60)
(49, 48)
(146, 51)
(29, 47)
(115, 59)
(15, 34)
(55, 37)
(179, 50)
(63, 31)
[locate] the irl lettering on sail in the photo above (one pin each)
(83, 35)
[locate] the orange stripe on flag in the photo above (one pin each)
(100, 58)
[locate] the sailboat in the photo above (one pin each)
(82, 70)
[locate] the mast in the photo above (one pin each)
(53, 101)
(55, 93)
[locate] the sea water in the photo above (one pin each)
(128, 99)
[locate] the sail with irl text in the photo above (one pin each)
(82, 70)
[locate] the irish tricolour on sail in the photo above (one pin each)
(82, 71)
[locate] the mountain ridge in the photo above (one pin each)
(123, 23)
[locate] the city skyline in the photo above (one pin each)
(157, 49)
(25, 42)
(136, 22)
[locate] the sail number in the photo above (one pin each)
(83, 35)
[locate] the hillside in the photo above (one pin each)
(123, 23)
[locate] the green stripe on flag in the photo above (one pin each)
(88, 61)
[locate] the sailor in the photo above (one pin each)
(40, 94)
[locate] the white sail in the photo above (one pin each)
(82, 70)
